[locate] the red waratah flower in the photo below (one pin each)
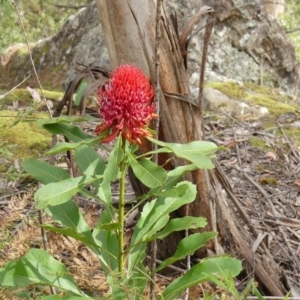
(126, 105)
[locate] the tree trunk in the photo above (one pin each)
(129, 29)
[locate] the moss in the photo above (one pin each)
(259, 168)
(268, 181)
(230, 88)
(23, 51)
(293, 135)
(257, 142)
(270, 98)
(25, 99)
(21, 95)
(26, 139)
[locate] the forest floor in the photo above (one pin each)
(262, 164)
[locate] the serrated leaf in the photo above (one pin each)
(195, 152)
(43, 171)
(153, 211)
(175, 175)
(73, 133)
(149, 173)
(114, 160)
(179, 224)
(221, 265)
(108, 241)
(60, 192)
(38, 267)
(69, 215)
(89, 161)
(83, 237)
(187, 246)
(64, 146)
(109, 226)
(154, 217)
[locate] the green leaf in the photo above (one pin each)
(69, 215)
(187, 246)
(38, 267)
(64, 146)
(195, 152)
(175, 175)
(7, 8)
(154, 217)
(56, 297)
(178, 225)
(60, 192)
(104, 192)
(80, 91)
(43, 171)
(66, 119)
(83, 237)
(73, 133)
(222, 265)
(149, 173)
(89, 161)
(153, 212)
(108, 241)
(114, 160)
(130, 286)
(109, 226)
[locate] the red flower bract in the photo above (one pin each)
(126, 105)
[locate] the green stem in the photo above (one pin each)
(121, 214)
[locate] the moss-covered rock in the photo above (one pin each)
(24, 97)
(255, 97)
(21, 137)
(276, 102)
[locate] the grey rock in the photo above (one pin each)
(247, 45)
(216, 101)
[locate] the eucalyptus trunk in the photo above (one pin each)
(129, 28)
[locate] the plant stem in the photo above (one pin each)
(121, 214)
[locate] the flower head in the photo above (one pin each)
(126, 105)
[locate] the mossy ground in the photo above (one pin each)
(271, 98)
(25, 98)
(22, 140)
(276, 102)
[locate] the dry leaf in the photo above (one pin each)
(297, 182)
(271, 155)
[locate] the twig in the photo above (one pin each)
(44, 236)
(232, 118)
(18, 227)
(170, 266)
(208, 30)
(68, 6)
(190, 26)
(153, 245)
(293, 30)
(237, 149)
(2, 96)
(267, 197)
(288, 142)
(30, 56)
